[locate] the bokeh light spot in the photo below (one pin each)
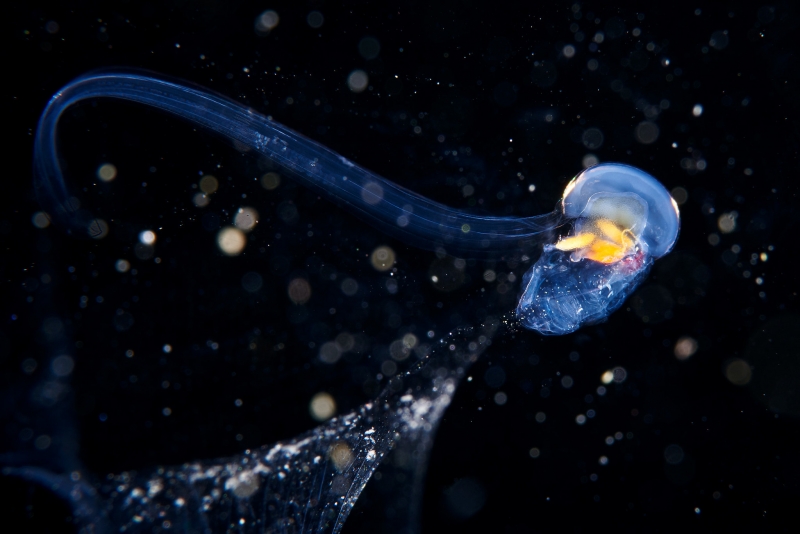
(369, 48)
(646, 132)
(270, 181)
(738, 372)
(267, 21)
(315, 19)
(40, 220)
(322, 406)
(341, 455)
(357, 81)
(246, 219)
(107, 172)
(685, 347)
(727, 222)
(97, 229)
(382, 258)
(148, 237)
(208, 184)
(299, 290)
(372, 193)
(231, 241)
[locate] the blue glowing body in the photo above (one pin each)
(623, 220)
(622, 217)
(559, 295)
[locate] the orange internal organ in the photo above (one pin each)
(602, 241)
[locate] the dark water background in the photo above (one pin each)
(701, 441)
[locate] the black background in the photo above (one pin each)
(465, 73)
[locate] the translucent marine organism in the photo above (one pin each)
(624, 218)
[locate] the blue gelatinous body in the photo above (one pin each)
(623, 219)
(560, 295)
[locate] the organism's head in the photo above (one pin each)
(617, 207)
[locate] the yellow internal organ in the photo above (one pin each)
(610, 230)
(603, 251)
(604, 242)
(575, 242)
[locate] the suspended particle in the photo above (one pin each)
(345, 341)
(349, 287)
(341, 455)
(388, 368)
(398, 350)
(719, 40)
(231, 241)
(357, 81)
(372, 193)
(267, 21)
(62, 366)
(738, 372)
(299, 290)
(143, 252)
(270, 181)
(617, 374)
(148, 237)
(322, 407)
(382, 258)
(252, 282)
(330, 352)
(727, 222)
(589, 160)
(97, 229)
(246, 219)
(315, 19)
(201, 200)
(685, 347)
(42, 442)
(107, 172)
(208, 184)
(646, 132)
(369, 48)
(40, 220)
(673, 454)
(592, 138)
(680, 194)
